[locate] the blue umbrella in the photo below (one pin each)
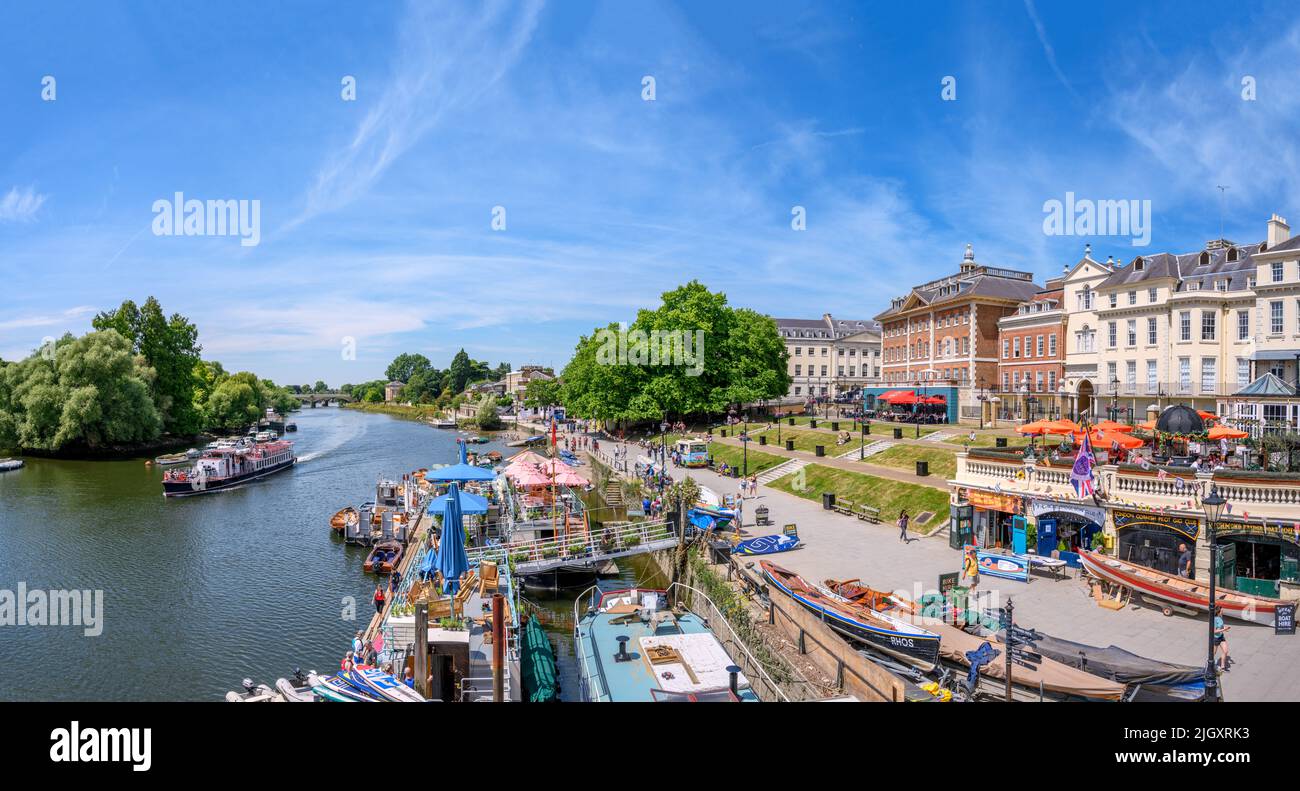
(452, 561)
(464, 471)
(428, 563)
(470, 503)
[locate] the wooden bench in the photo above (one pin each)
(844, 507)
(868, 513)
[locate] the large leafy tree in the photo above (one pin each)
(691, 355)
(93, 391)
(404, 367)
(543, 393)
(237, 401)
(464, 372)
(170, 346)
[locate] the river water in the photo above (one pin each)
(199, 592)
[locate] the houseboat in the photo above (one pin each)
(225, 468)
(631, 647)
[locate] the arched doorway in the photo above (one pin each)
(1084, 400)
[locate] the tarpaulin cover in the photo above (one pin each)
(1117, 664)
(1055, 677)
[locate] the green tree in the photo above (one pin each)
(487, 418)
(170, 346)
(404, 367)
(543, 393)
(715, 356)
(320, 387)
(93, 392)
(237, 402)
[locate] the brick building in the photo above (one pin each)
(1031, 349)
(943, 335)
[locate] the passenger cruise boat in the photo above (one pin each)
(226, 467)
(631, 647)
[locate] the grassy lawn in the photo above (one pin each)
(943, 462)
(888, 495)
(758, 461)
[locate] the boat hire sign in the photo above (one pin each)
(1046, 507)
(1284, 619)
(1006, 503)
(1185, 525)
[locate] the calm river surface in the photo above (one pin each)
(199, 592)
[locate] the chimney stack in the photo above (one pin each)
(1278, 231)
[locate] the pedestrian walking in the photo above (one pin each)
(1220, 640)
(902, 526)
(1184, 561)
(357, 644)
(379, 599)
(753, 486)
(970, 569)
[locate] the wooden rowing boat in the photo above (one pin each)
(340, 521)
(1179, 591)
(879, 630)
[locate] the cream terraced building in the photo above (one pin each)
(830, 356)
(1188, 328)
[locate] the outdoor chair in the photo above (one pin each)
(490, 577)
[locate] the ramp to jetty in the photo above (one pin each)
(615, 540)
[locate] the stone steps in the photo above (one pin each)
(781, 470)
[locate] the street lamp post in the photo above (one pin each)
(663, 450)
(1114, 399)
(1213, 505)
(983, 399)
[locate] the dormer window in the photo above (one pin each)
(1139, 264)
(1233, 254)
(1204, 259)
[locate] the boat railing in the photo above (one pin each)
(759, 679)
(581, 546)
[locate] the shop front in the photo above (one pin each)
(1152, 538)
(1258, 558)
(986, 519)
(1065, 528)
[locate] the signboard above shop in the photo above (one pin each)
(1006, 503)
(1095, 515)
(1186, 525)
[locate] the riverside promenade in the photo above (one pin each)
(841, 547)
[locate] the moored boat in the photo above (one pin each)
(1179, 591)
(883, 631)
(296, 690)
(384, 557)
(169, 459)
(338, 689)
(10, 464)
(348, 516)
(254, 693)
(630, 647)
(383, 685)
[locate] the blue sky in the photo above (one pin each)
(376, 213)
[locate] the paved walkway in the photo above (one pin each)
(841, 547)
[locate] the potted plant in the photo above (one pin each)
(631, 541)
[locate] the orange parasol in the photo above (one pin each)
(1062, 426)
(1034, 429)
(1227, 432)
(1104, 439)
(1110, 425)
(1207, 415)
(1148, 425)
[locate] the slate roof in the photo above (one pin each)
(1202, 267)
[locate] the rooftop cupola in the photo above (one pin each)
(968, 260)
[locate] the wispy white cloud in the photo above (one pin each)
(20, 205)
(48, 319)
(1048, 50)
(448, 57)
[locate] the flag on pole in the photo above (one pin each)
(1081, 475)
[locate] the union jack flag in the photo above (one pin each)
(1081, 475)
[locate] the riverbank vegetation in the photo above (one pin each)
(424, 384)
(693, 355)
(136, 379)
